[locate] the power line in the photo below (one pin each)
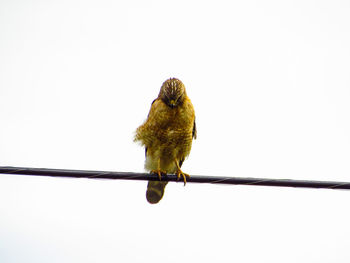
(173, 178)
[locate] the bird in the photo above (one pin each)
(167, 136)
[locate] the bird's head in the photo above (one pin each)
(172, 92)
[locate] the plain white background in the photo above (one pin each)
(270, 84)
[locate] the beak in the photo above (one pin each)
(172, 103)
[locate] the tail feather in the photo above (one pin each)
(155, 191)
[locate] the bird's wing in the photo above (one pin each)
(151, 107)
(194, 136)
(194, 130)
(152, 104)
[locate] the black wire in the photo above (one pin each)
(173, 178)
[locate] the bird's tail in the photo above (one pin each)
(155, 191)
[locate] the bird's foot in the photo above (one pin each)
(180, 174)
(159, 173)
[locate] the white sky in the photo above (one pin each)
(270, 84)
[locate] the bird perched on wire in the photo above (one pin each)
(167, 135)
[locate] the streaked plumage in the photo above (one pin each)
(167, 135)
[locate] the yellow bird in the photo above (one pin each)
(167, 135)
